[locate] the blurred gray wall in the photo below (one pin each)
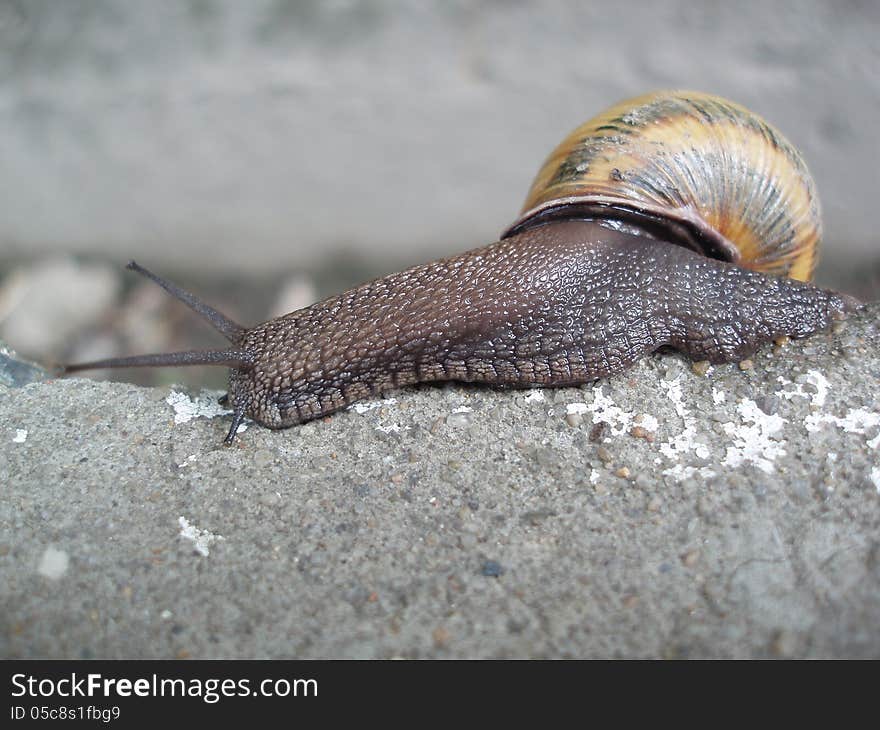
(271, 134)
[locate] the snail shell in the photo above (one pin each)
(697, 169)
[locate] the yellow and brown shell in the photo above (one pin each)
(710, 171)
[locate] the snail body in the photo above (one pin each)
(676, 219)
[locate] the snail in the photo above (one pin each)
(675, 219)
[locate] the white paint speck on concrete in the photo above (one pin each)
(685, 440)
(812, 377)
(185, 408)
(204, 405)
(53, 563)
(21, 435)
(875, 477)
(753, 439)
(756, 437)
(189, 460)
(536, 396)
(372, 405)
(201, 539)
(856, 420)
(390, 428)
(603, 408)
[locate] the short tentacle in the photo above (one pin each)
(237, 419)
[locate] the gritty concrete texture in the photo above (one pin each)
(672, 511)
(244, 136)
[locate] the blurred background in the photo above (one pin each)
(268, 153)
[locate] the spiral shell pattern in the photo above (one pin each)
(697, 163)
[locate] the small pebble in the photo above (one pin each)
(623, 472)
(701, 367)
(15, 372)
(574, 419)
(769, 404)
(746, 365)
(440, 636)
(598, 431)
(492, 569)
(53, 564)
(640, 432)
(604, 454)
(458, 420)
(690, 558)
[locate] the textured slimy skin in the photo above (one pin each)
(559, 304)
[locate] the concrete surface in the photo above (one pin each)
(267, 135)
(733, 512)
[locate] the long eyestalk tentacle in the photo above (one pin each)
(229, 329)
